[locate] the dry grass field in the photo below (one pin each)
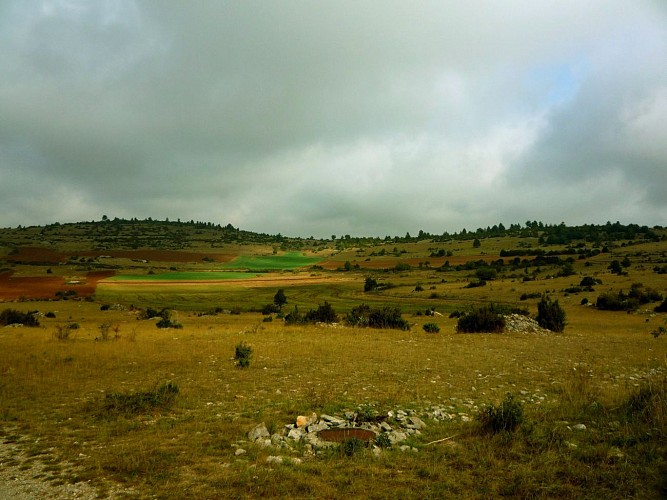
(593, 399)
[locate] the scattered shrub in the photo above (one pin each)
(584, 301)
(63, 332)
(526, 296)
(431, 328)
(661, 330)
(14, 317)
(485, 319)
(324, 314)
(104, 330)
(505, 417)
(587, 281)
(476, 284)
(105, 307)
(270, 309)
(50, 314)
(166, 322)
(370, 285)
(638, 295)
(662, 307)
(419, 288)
(386, 317)
(280, 299)
(150, 313)
(550, 315)
(242, 355)
(486, 273)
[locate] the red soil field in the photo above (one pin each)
(45, 287)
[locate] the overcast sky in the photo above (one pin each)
(358, 117)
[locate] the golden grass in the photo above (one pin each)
(47, 388)
(51, 391)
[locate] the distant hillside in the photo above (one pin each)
(123, 234)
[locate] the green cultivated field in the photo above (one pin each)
(183, 276)
(289, 261)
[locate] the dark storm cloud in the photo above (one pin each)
(316, 118)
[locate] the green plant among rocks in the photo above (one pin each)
(505, 417)
(351, 446)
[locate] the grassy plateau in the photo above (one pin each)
(102, 395)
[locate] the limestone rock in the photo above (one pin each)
(258, 432)
(303, 421)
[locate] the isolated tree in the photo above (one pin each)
(476, 243)
(370, 284)
(280, 299)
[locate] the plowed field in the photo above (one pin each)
(45, 287)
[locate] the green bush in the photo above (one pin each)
(370, 285)
(485, 319)
(323, 314)
(386, 317)
(505, 417)
(166, 322)
(242, 355)
(550, 315)
(431, 328)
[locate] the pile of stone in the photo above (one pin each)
(518, 323)
(388, 430)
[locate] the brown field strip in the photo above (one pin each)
(45, 287)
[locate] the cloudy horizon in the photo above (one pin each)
(305, 118)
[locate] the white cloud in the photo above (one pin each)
(349, 117)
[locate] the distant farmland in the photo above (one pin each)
(286, 262)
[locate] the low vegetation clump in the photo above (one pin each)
(135, 403)
(242, 355)
(505, 417)
(64, 332)
(431, 328)
(166, 321)
(386, 317)
(351, 446)
(487, 319)
(14, 317)
(550, 315)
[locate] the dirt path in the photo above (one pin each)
(25, 478)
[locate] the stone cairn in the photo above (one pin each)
(308, 429)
